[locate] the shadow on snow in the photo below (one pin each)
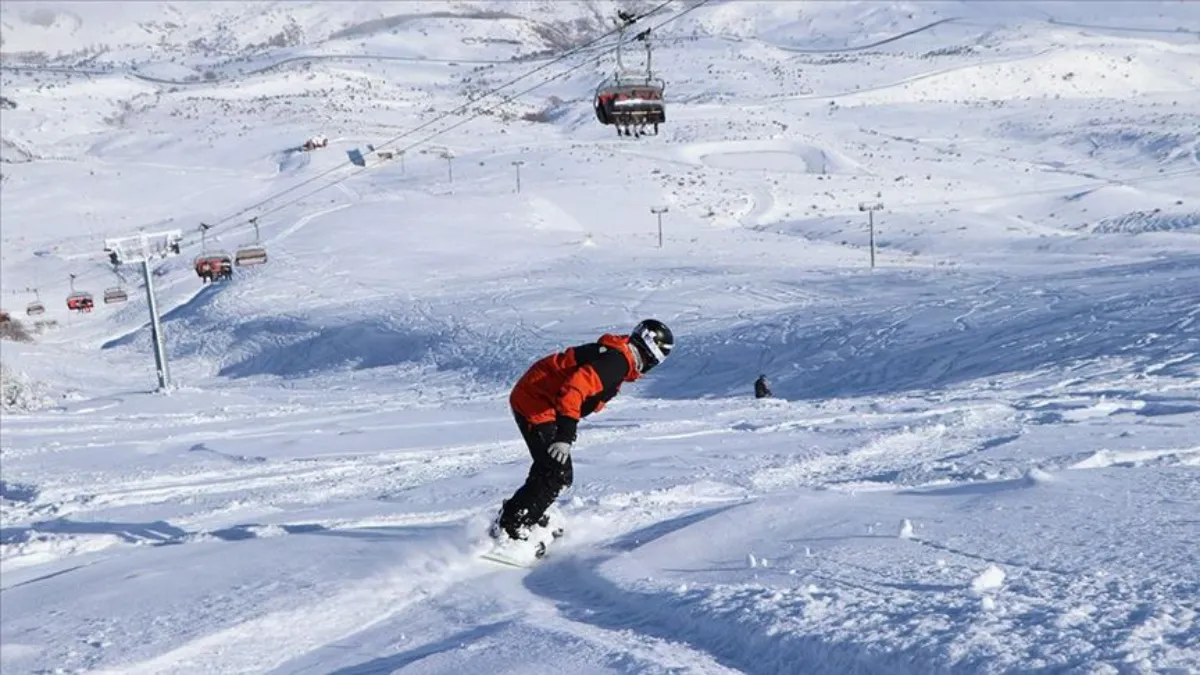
(928, 338)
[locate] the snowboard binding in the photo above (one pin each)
(528, 546)
(499, 531)
(544, 523)
(533, 538)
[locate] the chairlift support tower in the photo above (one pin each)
(517, 164)
(658, 211)
(871, 208)
(144, 248)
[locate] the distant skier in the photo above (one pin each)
(550, 399)
(760, 388)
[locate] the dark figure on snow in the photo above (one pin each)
(550, 399)
(760, 387)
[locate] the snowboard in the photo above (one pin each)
(506, 556)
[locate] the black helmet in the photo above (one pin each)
(653, 340)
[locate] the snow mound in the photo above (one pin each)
(1036, 476)
(782, 156)
(305, 345)
(1134, 145)
(990, 579)
(828, 348)
(292, 160)
(1081, 73)
(21, 393)
(1157, 220)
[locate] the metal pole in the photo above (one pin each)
(518, 164)
(160, 353)
(871, 226)
(649, 69)
(871, 209)
(658, 211)
(450, 167)
(620, 41)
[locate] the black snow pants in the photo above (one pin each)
(547, 479)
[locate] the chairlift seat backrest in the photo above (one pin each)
(35, 308)
(615, 98)
(251, 255)
(213, 259)
(113, 295)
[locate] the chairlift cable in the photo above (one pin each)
(460, 109)
(588, 46)
(424, 140)
(507, 99)
(480, 113)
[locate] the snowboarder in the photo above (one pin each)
(760, 387)
(550, 399)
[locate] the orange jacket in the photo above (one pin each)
(574, 383)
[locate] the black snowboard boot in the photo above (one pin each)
(509, 527)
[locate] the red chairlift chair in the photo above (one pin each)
(80, 301)
(212, 266)
(631, 101)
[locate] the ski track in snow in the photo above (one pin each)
(981, 460)
(324, 620)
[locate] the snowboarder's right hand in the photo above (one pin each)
(560, 452)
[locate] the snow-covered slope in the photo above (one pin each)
(982, 456)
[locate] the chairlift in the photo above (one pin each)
(36, 307)
(251, 254)
(116, 293)
(315, 142)
(212, 266)
(630, 100)
(79, 301)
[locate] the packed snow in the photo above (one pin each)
(982, 454)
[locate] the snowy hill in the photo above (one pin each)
(981, 456)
